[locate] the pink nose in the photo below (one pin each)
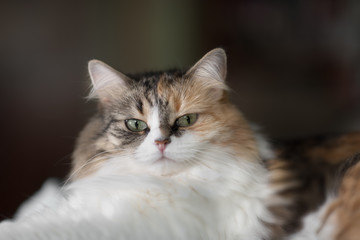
(161, 143)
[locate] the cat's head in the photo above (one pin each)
(164, 121)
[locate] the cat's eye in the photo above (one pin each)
(135, 125)
(186, 120)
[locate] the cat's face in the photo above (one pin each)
(164, 122)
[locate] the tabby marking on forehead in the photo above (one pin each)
(139, 106)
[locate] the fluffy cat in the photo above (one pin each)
(167, 156)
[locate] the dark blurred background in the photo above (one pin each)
(293, 65)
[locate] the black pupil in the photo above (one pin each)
(136, 124)
(188, 119)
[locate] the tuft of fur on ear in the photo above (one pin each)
(106, 81)
(211, 66)
(210, 72)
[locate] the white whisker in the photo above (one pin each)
(91, 160)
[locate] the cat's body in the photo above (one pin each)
(318, 177)
(144, 207)
(167, 156)
(337, 217)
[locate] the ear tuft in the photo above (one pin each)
(209, 74)
(105, 80)
(211, 66)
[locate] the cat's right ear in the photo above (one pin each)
(107, 83)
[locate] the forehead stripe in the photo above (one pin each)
(139, 106)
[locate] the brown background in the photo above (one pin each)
(293, 65)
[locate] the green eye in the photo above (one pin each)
(186, 120)
(135, 125)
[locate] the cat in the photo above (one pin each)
(167, 156)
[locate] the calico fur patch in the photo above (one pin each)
(307, 170)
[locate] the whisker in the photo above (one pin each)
(91, 160)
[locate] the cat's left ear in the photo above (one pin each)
(211, 66)
(209, 73)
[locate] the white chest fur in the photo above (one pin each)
(216, 201)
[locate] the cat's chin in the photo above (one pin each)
(166, 166)
(163, 160)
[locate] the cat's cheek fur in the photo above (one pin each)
(114, 140)
(184, 149)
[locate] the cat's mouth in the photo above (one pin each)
(165, 166)
(164, 159)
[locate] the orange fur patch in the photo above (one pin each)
(337, 150)
(345, 209)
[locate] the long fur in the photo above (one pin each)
(209, 182)
(212, 201)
